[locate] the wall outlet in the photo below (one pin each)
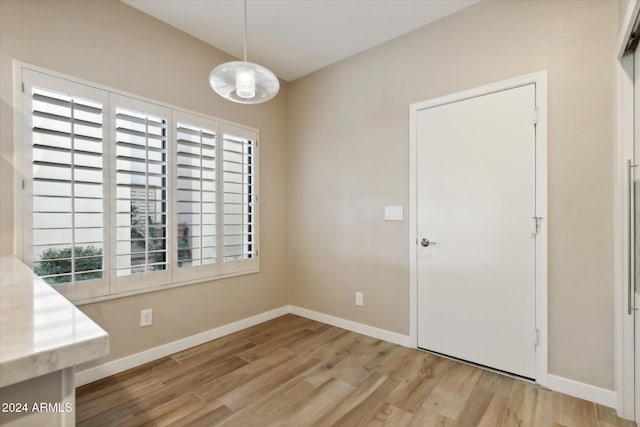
(146, 317)
(359, 299)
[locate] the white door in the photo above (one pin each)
(475, 219)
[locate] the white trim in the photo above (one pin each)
(580, 390)
(18, 159)
(68, 394)
(540, 80)
(413, 227)
(19, 65)
(146, 356)
(111, 368)
(360, 328)
(627, 26)
(624, 134)
(623, 324)
(563, 385)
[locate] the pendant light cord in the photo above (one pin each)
(245, 30)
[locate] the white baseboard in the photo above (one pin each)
(583, 391)
(563, 385)
(360, 328)
(146, 356)
(111, 368)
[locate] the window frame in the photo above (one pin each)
(111, 286)
(231, 267)
(202, 271)
(74, 290)
(120, 284)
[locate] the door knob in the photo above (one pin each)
(426, 242)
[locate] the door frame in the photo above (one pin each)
(624, 140)
(540, 80)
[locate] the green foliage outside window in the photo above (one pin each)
(57, 263)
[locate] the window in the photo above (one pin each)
(140, 194)
(65, 133)
(122, 194)
(196, 196)
(239, 186)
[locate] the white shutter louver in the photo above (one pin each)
(196, 195)
(141, 192)
(67, 136)
(238, 169)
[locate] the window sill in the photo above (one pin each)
(92, 300)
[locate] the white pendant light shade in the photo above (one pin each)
(244, 82)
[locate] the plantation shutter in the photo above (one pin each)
(67, 153)
(121, 194)
(239, 176)
(196, 196)
(141, 192)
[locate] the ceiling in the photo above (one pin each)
(296, 37)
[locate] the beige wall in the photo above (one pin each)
(112, 44)
(623, 5)
(348, 157)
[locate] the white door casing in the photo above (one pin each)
(634, 231)
(478, 239)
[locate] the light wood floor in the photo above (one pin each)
(296, 372)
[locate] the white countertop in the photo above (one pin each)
(40, 330)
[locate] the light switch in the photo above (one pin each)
(393, 213)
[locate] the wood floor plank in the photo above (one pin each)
(352, 368)
(476, 407)
(312, 409)
(113, 404)
(168, 413)
(425, 417)
(607, 417)
(276, 328)
(496, 411)
(529, 405)
(321, 337)
(292, 371)
(206, 374)
(272, 408)
(355, 398)
(211, 414)
(251, 391)
(104, 385)
(450, 396)
(261, 350)
(210, 353)
(390, 416)
(337, 356)
(227, 383)
(573, 412)
(362, 413)
(416, 387)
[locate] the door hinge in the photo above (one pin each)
(22, 87)
(536, 335)
(536, 224)
(535, 116)
(23, 184)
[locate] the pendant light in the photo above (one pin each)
(244, 82)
